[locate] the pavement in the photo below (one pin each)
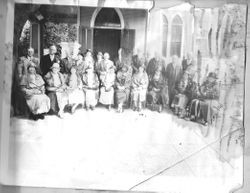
(106, 150)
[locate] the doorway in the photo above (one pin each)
(107, 32)
(107, 40)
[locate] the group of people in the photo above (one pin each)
(53, 84)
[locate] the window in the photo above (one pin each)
(164, 36)
(176, 36)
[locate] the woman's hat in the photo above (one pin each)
(31, 64)
(55, 65)
(99, 54)
(212, 75)
(125, 68)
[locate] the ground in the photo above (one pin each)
(105, 150)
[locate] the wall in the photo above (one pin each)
(155, 35)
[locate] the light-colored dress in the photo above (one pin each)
(91, 88)
(75, 92)
(107, 90)
(56, 91)
(32, 85)
(139, 87)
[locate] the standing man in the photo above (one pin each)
(18, 100)
(25, 61)
(48, 60)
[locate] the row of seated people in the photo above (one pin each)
(54, 91)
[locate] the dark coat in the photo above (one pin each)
(46, 63)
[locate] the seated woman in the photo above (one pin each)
(206, 108)
(91, 88)
(105, 64)
(107, 81)
(56, 90)
(155, 88)
(139, 88)
(122, 87)
(32, 85)
(75, 92)
(180, 100)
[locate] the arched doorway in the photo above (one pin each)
(107, 31)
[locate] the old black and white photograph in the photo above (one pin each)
(124, 95)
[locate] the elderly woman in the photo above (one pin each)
(107, 81)
(56, 90)
(106, 63)
(91, 88)
(139, 88)
(206, 108)
(155, 88)
(32, 85)
(122, 85)
(75, 92)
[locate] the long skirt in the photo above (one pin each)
(76, 96)
(154, 98)
(139, 95)
(58, 100)
(107, 97)
(38, 104)
(90, 97)
(122, 96)
(180, 101)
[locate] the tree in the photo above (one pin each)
(55, 33)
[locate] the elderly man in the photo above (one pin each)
(173, 76)
(18, 102)
(25, 61)
(49, 59)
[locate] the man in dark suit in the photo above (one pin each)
(48, 60)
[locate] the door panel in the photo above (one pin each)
(128, 39)
(107, 40)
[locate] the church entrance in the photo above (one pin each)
(107, 32)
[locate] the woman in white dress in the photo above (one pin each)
(56, 90)
(91, 88)
(75, 92)
(107, 88)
